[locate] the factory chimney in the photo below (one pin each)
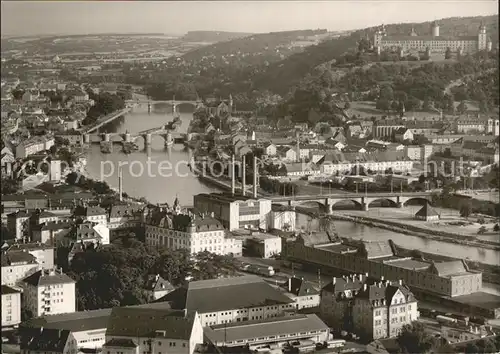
(232, 175)
(243, 175)
(255, 173)
(120, 184)
(298, 147)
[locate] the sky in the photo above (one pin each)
(24, 18)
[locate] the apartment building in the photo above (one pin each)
(11, 307)
(379, 161)
(372, 309)
(34, 145)
(18, 224)
(235, 211)
(94, 214)
(16, 266)
(50, 232)
(152, 329)
(49, 292)
(264, 245)
(220, 301)
(125, 216)
(301, 292)
(44, 254)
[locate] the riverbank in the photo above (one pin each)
(413, 230)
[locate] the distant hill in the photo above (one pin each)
(280, 76)
(212, 36)
(256, 44)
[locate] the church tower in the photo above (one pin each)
(435, 29)
(177, 206)
(482, 38)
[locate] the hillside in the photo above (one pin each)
(212, 36)
(281, 76)
(254, 49)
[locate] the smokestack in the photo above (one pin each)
(255, 173)
(232, 175)
(298, 147)
(243, 176)
(120, 183)
(289, 284)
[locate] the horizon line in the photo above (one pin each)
(14, 36)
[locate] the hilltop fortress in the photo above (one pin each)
(433, 43)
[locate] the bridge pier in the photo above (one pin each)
(169, 140)
(399, 205)
(147, 139)
(86, 139)
(365, 206)
(127, 137)
(107, 137)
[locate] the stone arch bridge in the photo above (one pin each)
(327, 202)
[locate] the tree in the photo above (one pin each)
(472, 348)
(483, 106)
(466, 210)
(383, 104)
(426, 106)
(414, 339)
(462, 107)
(412, 104)
(395, 106)
(447, 54)
(386, 92)
(481, 230)
(486, 346)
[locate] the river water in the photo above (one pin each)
(175, 180)
(360, 231)
(168, 176)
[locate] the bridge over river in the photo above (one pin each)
(326, 202)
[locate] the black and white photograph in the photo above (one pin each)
(250, 177)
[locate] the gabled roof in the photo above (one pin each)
(45, 340)
(7, 290)
(47, 277)
(140, 321)
(74, 321)
(448, 268)
(157, 283)
(299, 287)
(121, 343)
(17, 257)
(94, 211)
(377, 249)
(207, 296)
(427, 211)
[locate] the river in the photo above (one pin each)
(184, 185)
(360, 231)
(169, 175)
